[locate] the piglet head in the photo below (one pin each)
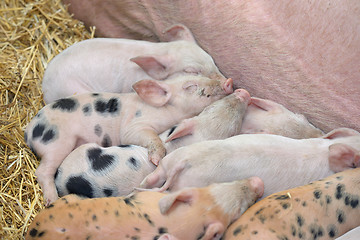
(191, 94)
(344, 153)
(219, 203)
(237, 196)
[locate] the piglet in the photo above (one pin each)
(265, 116)
(324, 209)
(94, 171)
(238, 114)
(191, 213)
(280, 161)
(114, 65)
(110, 119)
(220, 120)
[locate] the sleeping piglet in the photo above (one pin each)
(281, 162)
(220, 120)
(266, 116)
(110, 119)
(94, 171)
(238, 114)
(113, 65)
(191, 213)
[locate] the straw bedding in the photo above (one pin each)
(32, 32)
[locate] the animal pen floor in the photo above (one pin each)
(32, 32)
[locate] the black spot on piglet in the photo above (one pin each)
(38, 131)
(80, 186)
(65, 104)
(111, 106)
(98, 160)
(48, 136)
(133, 163)
(33, 232)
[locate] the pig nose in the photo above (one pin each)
(227, 85)
(243, 95)
(257, 185)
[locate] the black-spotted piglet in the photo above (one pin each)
(110, 119)
(94, 171)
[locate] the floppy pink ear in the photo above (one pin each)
(185, 196)
(156, 67)
(342, 157)
(341, 132)
(153, 92)
(178, 32)
(186, 127)
(264, 104)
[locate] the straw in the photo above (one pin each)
(31, 34)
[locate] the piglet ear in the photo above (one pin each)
(342, 157)
(214, 231)
(156, 67)
(264, 104)
(185, 196)
(178, 32)
(186, 127)
(153, 92)
(341, 132)
(167, 236)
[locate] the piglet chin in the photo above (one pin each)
(258, 185)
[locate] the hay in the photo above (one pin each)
(31, 34)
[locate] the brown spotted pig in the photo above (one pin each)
(110, 119)
(191, 213)
(323, 209)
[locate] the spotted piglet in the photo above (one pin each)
(324, 209)
(94, 171)
(110, 119)
(113, 65)
(192, 213)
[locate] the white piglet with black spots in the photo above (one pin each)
(94, 171)
(111, 119)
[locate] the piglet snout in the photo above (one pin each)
(243, 95)
(258, 185)
(228, 85)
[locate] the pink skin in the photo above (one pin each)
(114, 65)
(265, 116)
(327, 209)
(301, 54)
(205, 212)
(228, 117)
(219, 120)
(137, 119)
(281, 162)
